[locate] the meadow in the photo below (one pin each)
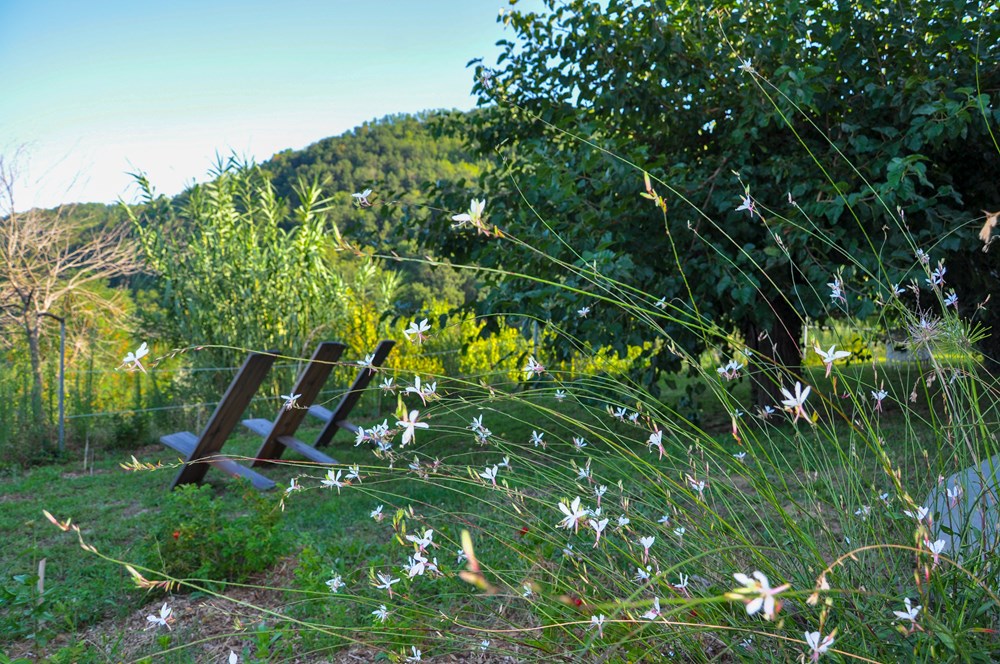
(800, 501)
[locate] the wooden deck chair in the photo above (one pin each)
(201, 453)
(337, 419)
(280, 434)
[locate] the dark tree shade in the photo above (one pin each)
(833, 117)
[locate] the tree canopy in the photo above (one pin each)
(849, 134)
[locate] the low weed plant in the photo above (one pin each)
(197, 537)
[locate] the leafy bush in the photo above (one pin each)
(201, 536)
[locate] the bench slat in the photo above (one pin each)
(308, 451)
(182, 441)
(320, 413)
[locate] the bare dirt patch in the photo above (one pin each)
(216, 626)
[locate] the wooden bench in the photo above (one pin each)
(202, 452)
(337, 418)
(280, 434)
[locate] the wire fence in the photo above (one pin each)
(211, 404)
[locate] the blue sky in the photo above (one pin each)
(95, 89)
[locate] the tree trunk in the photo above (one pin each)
(31, 331)
(777, 353)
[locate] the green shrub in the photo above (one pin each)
(202, 536)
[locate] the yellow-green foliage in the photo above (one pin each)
(604, 361)
(498, 356)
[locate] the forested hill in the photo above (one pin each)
(396, 153)
(394, 156)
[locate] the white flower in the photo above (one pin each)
(536, 439)
(333, 480)
(335, 584)
(679, 531)
(951, 300)
(741, 457)
(162, 620)
(418, 330)
(937, 276)
(919, 514)
(353, 473)
(653, 612)
(381, 613)
(579, 443)
(646, 542)
(623, 521)
(423, 391)
(560, 395)
(598, 527)
(730, 370)
(293, 485)
(863, 512)
(837, 290)
(422, 542)
(385, 582)
(748, 205)
(746, 66)
(656, 440)
(490, 474)
(132, 359)
(484, 644)
(416, 565)
(598, 622)
(761, 592)
(573, 514)
(362, 198)
(505, 463)
(461, 557)
(388, 385)
(410, 424)
(665, 519)
(818, 647)
(910, 613)
(290, 400)
(683, 583)
(954, 493)
(233, 658)
(935, 548)
(474, 217)
(582, 312)
(534, 367)
(377, 513)
(527, 592)
(415, 657)
(795, 402)
(831, 356)
(368, 362)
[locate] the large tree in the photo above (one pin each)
(851, 134)
(49, 262)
